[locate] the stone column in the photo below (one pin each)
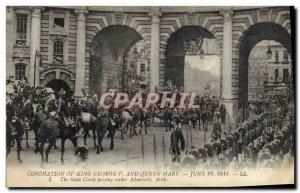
(80, 52)
(35, 44)
(10, 41)
(227, 96)
(155, 49)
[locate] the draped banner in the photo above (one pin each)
(202, 75)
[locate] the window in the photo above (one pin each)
(286, 75)
(266, 77)
(58, 52)
(142, 68)
(20, 71)
(276, 56)
(59, 22)
(21, 29)
(285, 56)
(132, 64)
(276, 76)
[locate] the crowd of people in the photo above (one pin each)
(264, 140)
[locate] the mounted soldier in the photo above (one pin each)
(51, 105)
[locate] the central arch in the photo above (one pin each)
(107, 57)
(58, 84)
(182, 58)
(253, 35)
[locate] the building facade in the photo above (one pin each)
(269, 64)
(89, 47)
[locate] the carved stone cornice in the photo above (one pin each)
(264, 14)
(155, 14)
(36, 11)
(81, 14)
(227, 15)
(57, 37)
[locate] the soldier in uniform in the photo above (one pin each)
(176, 137)
(51, 105)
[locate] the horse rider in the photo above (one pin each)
(53, 108)
(61, 92)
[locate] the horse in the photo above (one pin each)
(53, 129)
(127, 120)
(141, 117)
(105, 124)
(91, 105)
(35, 124)
(38, 117)
(88, 122)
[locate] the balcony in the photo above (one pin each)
(58, 31)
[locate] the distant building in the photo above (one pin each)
(269, 66)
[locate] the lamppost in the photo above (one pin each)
(37, 55)
(269, 51)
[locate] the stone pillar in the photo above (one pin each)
(227, 96)
(35, 44)
(80, 52)
(155, 49)
(10, 41)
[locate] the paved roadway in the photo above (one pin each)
(127, 152)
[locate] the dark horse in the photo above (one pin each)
(141, 117)
(52, 129)
(35, 124)
(103, 124)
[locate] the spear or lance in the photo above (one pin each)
(204, 134)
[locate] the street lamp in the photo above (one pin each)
(135, 54)
(37, 55)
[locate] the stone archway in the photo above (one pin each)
(58, 84)
(107, 56)
(188, 52)
(59, 74)
(253, 35)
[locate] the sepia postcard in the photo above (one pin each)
(150, 96)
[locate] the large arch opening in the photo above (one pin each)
(269, 69)
(58, 84)
(251, 37)
(193, 62)
(109, 50)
